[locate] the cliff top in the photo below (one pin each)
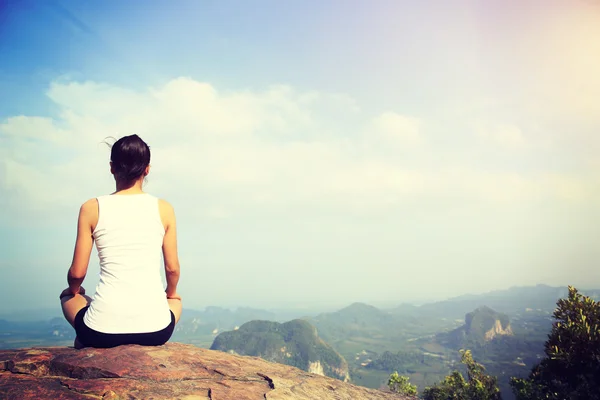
(172, 371)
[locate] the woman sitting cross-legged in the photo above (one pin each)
(129, 228)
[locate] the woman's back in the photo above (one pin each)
(129, 237)
(131, 230)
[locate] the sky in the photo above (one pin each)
(316, 153)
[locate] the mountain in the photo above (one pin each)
(481, 326)
(487, 322)
(294, 343)
(347, 322)
(363, 320)
(504, 350)
(512, 301)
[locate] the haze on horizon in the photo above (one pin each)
(315, 152)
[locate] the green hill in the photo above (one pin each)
(485, 323)
(481, 326)
(363, 320)
(355, 320)
(294, 343)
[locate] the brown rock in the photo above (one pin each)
(172, 371)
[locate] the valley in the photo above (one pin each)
(505, 330)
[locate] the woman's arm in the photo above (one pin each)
(88, 218)
(172, 270)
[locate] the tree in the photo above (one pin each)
(571, 368)
(477, 386)
(400, 384)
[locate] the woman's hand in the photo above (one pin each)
(69, 292)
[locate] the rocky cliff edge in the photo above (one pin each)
(172, 371)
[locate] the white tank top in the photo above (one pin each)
(130, 297)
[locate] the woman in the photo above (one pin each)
(129, 228)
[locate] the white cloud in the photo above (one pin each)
(566, 51)
(32, 128)
(504, 136)
(397, 129)
(478, 157)
(232, 151)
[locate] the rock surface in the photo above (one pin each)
(172, 371)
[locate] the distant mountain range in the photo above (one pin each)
(510, 301)
(513, 301)
(294, 343)
(356, 320)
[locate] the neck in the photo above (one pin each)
(130, 187)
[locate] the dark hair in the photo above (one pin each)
(130, 156)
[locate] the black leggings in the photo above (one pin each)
(91, 338)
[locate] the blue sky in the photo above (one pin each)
(315, 152)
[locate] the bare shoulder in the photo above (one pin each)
(88, 213)
(165, 207)
(167, 213)
(90, 207)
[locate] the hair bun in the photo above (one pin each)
(130, 156)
